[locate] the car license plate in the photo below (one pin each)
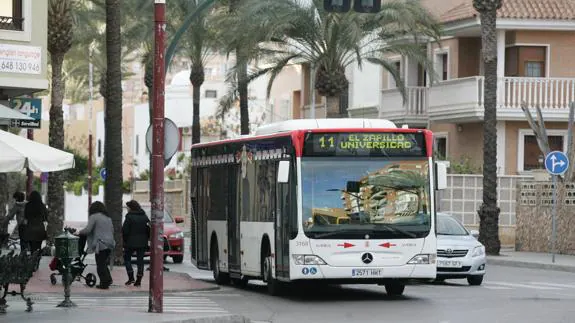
(367, 272)
(449, 263)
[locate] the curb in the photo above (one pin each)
(214, 319)
(531, 265)
(33, 296)
(42, 295)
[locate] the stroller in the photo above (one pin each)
(77, 265)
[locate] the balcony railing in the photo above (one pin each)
(547, 93)
(11, 23)
(394, 108)
(462, 99)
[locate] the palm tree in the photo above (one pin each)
(299, 32)
(489, 212)
(113, 119)
(60, 37)
(199, 45)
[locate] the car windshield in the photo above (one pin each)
(446, 225)
(148, 210)
(352, 197)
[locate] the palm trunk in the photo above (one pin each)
(332, 107)
(489, 212)
(113, 194)
(243, 94)
(196, 134)
(4, 191)
(55, 198)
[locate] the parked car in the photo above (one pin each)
(459, 253)
(173, 235)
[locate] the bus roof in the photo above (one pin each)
(308, 124)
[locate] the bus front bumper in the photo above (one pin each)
(368, 273)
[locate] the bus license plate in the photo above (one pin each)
(367, 272)
(449, 263)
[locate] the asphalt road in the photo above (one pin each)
(507, 295)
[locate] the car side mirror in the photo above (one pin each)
(179, 219)
(475, 234)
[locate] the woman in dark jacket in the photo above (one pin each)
(35, 215)
(136, 234)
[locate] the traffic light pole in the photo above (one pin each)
(156, 293)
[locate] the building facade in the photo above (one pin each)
(23, 48)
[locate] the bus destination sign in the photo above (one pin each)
(365, 144)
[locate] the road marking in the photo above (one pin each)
(522, 285)
(497, 287)
(176, 304)
(553, 285)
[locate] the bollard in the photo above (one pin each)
(66, 250)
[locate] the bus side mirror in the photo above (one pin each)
(440, 176)
(283, 171)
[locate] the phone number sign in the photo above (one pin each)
(20, 59)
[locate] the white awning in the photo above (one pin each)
(19, 153)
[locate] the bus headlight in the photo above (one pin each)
(423, 259)
(308, 260)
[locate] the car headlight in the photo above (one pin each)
(423, 259)
(308, 260)
(177, 235)
(478, 251)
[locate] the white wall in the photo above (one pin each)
(76, 207)
(365, 85)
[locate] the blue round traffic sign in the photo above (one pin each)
(305, 270)
(103, 173)
(556, 162)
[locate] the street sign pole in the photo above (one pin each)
(556, 163)
(554, 219)
(155, 303)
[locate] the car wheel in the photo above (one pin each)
(178, 259)
(475, 280)
(394, 289)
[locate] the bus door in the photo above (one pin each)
(234, 257)
(284, 206)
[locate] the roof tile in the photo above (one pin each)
(517, 9)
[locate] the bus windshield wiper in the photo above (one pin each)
(395, 229)
(332, 233)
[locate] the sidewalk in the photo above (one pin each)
(533, 260)
(173, 282)
(46, 314)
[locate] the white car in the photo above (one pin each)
(459, 253)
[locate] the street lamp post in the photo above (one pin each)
(155, 303)
(90, 116)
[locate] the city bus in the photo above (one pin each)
(342, 201)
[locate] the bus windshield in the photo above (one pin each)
(349, 198)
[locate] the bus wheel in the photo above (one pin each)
(394, 289)
(219, 277)
(274, 286)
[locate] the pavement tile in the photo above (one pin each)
(173, 282)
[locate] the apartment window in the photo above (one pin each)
(444, 67)
(99, 148)
(440, 146)
(11, 17)
(212, 94)
(391, 81)
(529, 154)
(534, 69)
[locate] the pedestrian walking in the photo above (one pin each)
(33, 231)
(99, 234)
(136, 235)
